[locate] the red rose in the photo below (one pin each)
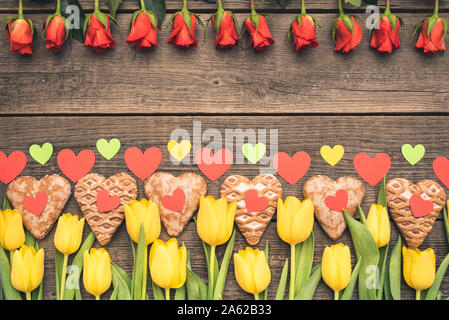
(98, 35)
(259, 32)
(143, 33)
(183, 32)
(55, 33)
(386, 37)
(303, 31)
(348, 33)
(20, 35)
(225, 32)
(431, 41)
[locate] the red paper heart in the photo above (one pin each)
(253, 202)
(441, 169)
(37, 204)
(213, 166)
(176, 201)
(337, 202)
(75, 166)
(291, 169)
(12, 166)
(372, 170)
(143, 164)
(106, 202)
(419, 206)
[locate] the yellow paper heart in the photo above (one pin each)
(179, 150)
(332, 155)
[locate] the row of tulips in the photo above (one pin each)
(346, 31)
(169, 264)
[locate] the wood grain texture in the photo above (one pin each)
(204, 80)
(369, 134)
(172, 5)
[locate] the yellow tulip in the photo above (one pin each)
(143, 212)
(252, 271)
(336, 267)
(168, 264)
(27, 269)
(69, 232)
(215, 220)
(419, 268)
(379, 224)
(12, 235)
(294, 219)
(97, 273)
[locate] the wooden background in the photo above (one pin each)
(364, 101)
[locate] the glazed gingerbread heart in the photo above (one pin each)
(413, 227)
(104, 224)
(57, 190)
(164, 188)
(320, 188)
(238, 188)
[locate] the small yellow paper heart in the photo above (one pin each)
(179, 150)
(332, 155)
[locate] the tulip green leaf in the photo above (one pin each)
(432, 292)
(9, 293)
(394, 271)
(121, 288)
(221, 278)
(158, 8)
(139, 262)
(309, 287)
(157, 292)
(282, 282)
(305, 261)
(446, 223)
(347, 293)
(67, 11)
(383, 251)
(180, 293)
(264, 295)
(196, 288)
(366, 248)
(382, 195)
(77, 267)
(6, 204)
(387, 291)
(37, 293)
(59, 258)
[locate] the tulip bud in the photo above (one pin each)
(143, 212)
(12, 235)
(336, 267)
(69, 232)
(168, 264)
(294, 220)
(251, 270)
(419, 268)
(379, 224)
(215, 220)
(27, 270)
(97, 273)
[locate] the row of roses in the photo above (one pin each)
(169, 264)
(346, 31)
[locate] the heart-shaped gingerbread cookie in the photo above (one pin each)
(414, 226)
(51, 192)
(261, 193)
(177, 198)
(323, 191)
(90, 190)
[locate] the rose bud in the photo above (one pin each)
(183, 31)
(257, 27)
(346, 32)
(98, 31)
(224, 23)
(20, 33)
(432, 34)
(303, 31)
(55, 32)
(143, 33)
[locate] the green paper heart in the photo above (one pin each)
(108, 149)
(41, 154)
(253, 152)
(413, 154)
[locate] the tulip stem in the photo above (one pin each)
(418, 292)
(167, 294)
(97, 297)
(145, 274)
(292, 272)
(336, 295)
(340, 8)
(20, 15)
(64, 271)
(211, 267)
(256, 296)
(28, 295)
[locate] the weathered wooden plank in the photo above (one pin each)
(204, 80)
(369, 134)
(130, 5)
